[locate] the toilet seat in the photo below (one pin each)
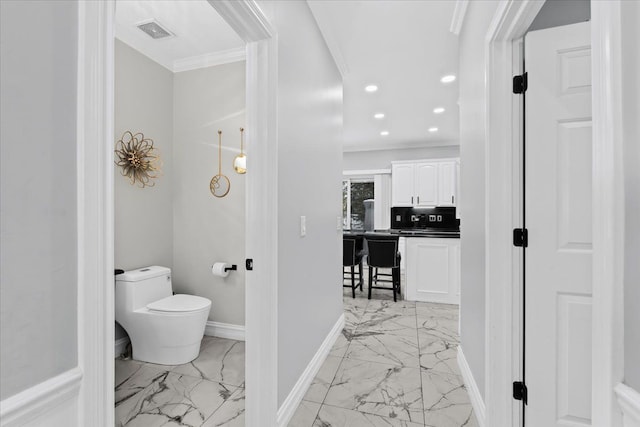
(179, 303)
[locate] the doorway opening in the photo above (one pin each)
(180, 99)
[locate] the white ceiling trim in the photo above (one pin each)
(245, 17)
(338, 57)
(209, 60)
(399, 146)
(458, 16)
(331, 41)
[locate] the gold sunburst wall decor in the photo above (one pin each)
(138, 159)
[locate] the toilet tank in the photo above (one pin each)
(137, 288)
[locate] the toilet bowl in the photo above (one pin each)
(164, 328)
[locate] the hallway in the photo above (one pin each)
(394, 365)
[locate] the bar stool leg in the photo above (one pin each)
(370, 280)
(396, 282)
(353, 282)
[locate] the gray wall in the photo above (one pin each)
(555, 13)
(178, 223)
(143, 216)
(310, 174)
(209, 229)
(381, 159)
(472, 184)
(631, 98)
(38, 259)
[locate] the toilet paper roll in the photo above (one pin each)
(218, 269)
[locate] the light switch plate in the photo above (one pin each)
(303, 226)
(439, 218)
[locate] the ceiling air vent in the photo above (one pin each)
(155, 30)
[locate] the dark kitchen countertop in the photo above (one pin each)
(429, 232)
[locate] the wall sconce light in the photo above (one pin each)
(240, 162)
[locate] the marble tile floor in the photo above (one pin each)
(394, 365)
(207, 392)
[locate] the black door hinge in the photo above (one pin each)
(520, 83)
(249, 264)
(520, 237)
(520, 391)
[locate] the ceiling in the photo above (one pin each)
(403, 47)
(202, 37)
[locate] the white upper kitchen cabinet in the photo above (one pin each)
(424, 183)
(402, 184)
(447, 183)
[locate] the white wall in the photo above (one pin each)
(310, 173)
(472, 184)
(381, 159)
(38, 256)
(631, 108)
(206, 228)
(143, 216)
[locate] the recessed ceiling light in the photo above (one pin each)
(433, 129)
(379, 115)
(438, 110)
(448, 79)
(384, 133)
(371, 88)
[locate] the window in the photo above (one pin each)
(354, 193)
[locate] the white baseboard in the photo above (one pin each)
(121, 346)
(294, 398)
(629, 401)
(51, 403)
(224, 330)
(472, 388)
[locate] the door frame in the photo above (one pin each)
(95, 210)
(503, 211)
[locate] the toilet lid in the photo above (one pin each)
(180, 303)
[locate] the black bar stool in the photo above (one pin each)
(352, 255)
(383, 253)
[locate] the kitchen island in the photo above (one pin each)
(430, 264)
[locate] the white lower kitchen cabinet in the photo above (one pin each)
(433, 269)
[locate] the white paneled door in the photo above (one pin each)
(558, 218)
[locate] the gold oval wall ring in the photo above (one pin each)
(220, 184)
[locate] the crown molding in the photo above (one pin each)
(458, 16)
(209, 60)
(330, 40)
(353, 148)
(245, 17)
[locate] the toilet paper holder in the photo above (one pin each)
(233, 267)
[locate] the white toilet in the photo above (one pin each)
(164, 328)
